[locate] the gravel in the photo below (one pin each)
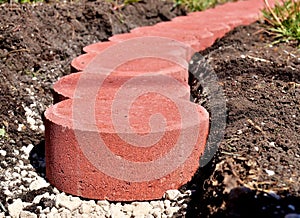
(37, 198)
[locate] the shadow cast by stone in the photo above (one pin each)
(37, 158)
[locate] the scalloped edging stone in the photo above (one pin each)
(75, 161)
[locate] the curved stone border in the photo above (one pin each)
(107, 139)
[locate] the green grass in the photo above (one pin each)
(198, 5)
(2, 132)
(19, 1)
(131, 1)
(191, 5)
(283, 21)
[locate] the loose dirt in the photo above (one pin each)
(256, 169)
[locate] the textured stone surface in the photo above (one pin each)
(66, 86)
(73, 167)
(197, 39)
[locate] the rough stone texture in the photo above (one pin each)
(197, 39)
(67, 160)
(62, 129)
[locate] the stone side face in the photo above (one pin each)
(80, 134)
(69, 169)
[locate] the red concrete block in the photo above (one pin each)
(92, 170)
(131, 133)
(98, 47)
(79, 63)
(222, 18)
(231, 21)
(208, 14)
(236, 22)
(191, 41)
(241, 6)
(108, 142)
(123, 37)
(219, 30)
(182, 56)
(247, 11)
(244, 12)
(196, 39)
(272, 3)
(89, 155)
(65, 87)
(216, 28)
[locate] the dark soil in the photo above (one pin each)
(261, 84)
(262, 88)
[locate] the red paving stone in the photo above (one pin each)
(82, 61)
(65, 87)
(98, 47)
(215, 27)
(197, 39)
(75, 174)
(122, 37)
(102, 138)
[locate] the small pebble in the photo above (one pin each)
(85, 208)
(64, 201)
(141, 208)
(172, 194)
(270, 172)
(116, 211)
(38, 184)
(291, 207)
(292, 215)
(3, 153)
(15, 208)
(27, 214)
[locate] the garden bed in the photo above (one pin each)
(260, 150)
